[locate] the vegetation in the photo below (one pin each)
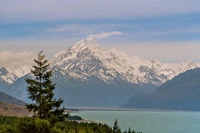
(74, 117)
(37, 125)
(116, 128)
(40, 91)
(48, 116)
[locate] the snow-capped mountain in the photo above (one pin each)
(10, 74)
(86, 58)
(88, 75)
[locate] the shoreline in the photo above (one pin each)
(76, 109)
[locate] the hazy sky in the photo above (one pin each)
(167, 30)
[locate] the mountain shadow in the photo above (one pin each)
(180, 93)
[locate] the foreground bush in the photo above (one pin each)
(36, 125)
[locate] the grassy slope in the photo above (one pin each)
(7, 109)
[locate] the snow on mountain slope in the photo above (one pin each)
(7, 76)
(88, 75)
(86, 58)
(10, 74)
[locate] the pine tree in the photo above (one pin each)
(116, 128)
(129, 130)
(40, 91)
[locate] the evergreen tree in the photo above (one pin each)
(129, 130)
(116, 128)
(40, 91)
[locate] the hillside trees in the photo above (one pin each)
(40, 91)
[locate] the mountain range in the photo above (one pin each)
(180, 93)
(11, 106)
(88, 75)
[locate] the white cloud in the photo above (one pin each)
(104, 35)
(16, 60)
(49, 46)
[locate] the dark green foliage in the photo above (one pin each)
(7, 120)
(129, 131)
(75, 127)
(6, 124)
(74, 117)
(40, 91)
(26, 125)
(116, 128)
(36, 125)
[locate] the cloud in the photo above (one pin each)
(16, 60)
(50, 46)
(104, 35)
(23, 10)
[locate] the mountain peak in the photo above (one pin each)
(86, 43)
(86, 58)
(188, 62)
(73, 51)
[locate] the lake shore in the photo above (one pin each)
(158, 121)
(123, 109)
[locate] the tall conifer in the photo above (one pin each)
(40, 91)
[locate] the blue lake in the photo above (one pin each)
(147, 121)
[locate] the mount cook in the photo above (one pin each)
(87, 75)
